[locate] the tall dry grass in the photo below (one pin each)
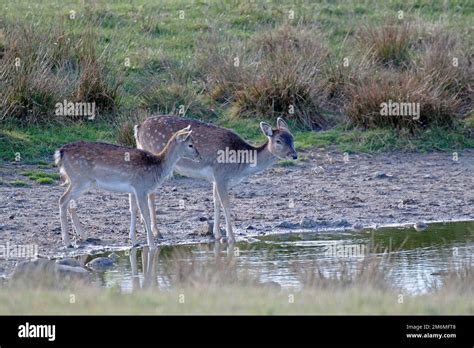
(409, 63)
(276, 73)
(458, 278)
(40, 68)
(368, 272)
(389, 44)
(366, 94)
(289, 71)
(163, 97)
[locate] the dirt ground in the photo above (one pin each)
(327, 191)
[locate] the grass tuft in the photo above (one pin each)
(427, 78)
(45, 181)
(390, 43)
(42, 178)
(41, 68)
(18, 183)
(276, 74)
(286, 163)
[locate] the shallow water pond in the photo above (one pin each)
(415, 260)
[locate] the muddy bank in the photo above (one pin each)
(324, 192)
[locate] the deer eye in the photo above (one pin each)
(190, 145)
(278, 141)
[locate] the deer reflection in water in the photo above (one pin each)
(178, 268)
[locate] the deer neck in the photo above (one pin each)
(168, 158)
(264, 159)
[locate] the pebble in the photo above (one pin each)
(381, 175)
(205, 229)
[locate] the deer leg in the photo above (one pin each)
(63, 203)
(76, 192)
(217, 213)
(142, 200)
(133, 218)
(75, 221)
(151, 207)
(72, 192)
(224, 198)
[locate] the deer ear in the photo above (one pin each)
(266, 129)
(281, 124)
(183, 135)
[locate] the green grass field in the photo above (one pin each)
(229, 301)
(153, 52)
(140, 57)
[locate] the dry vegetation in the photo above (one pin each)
(328, 69)
(42, 68)
(276, 74)
(214, 287)
(287, 71)
(414, 64)
(291, 67)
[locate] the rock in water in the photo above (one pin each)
(420, 226)
(307, 222)
(69, 262)
(44, 272)
(33, 270)
(100, 264)
(72, 272)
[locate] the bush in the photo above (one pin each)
(29, 88)
(368, 93)
(442, 90)
(162, 97)
(448, 65)
(389, 44)
(216, 60)
(125, 135)
(277, 74)
(124, 124)
(42, 68)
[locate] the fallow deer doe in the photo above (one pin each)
(120, 169)
(213, 143)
